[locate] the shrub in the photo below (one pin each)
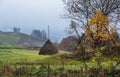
(111, 51)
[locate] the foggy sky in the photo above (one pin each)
(33, 14)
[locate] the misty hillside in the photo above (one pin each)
(21, 40)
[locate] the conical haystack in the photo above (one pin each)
(48, 49)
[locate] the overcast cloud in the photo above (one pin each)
(33, 14)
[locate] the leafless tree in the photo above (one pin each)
(81, 10)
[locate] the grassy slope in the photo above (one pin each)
(9, 39)
(13, 39)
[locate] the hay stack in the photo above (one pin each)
(48, 49)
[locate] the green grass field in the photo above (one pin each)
(13, 56)
(30, 58)
(19, 55)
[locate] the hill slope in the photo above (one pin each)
(13, 39)
(68, 44)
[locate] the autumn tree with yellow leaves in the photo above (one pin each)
(80, 11)
(99, 31)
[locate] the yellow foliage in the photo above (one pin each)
(98, 19)
(98, 54)
(99, 28)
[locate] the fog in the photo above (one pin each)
(33, 14)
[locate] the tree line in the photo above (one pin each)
(41, 35)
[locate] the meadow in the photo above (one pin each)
(27, 63)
